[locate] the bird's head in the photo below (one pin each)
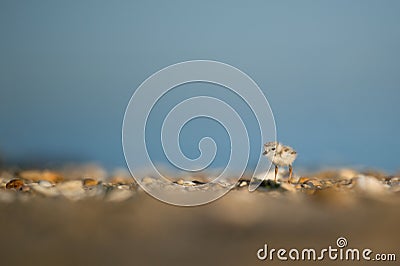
(270, 147)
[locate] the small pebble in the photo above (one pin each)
(45, 191)
(89, 182)
(243, 184)
(45, 183)
(15, 184)
(35, 175)
(123, 187)
(303, 179)
(72, 190)
(370, 185)
(185, 183)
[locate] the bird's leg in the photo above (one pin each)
(290, 174)
(276, 172)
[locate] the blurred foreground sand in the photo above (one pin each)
(229, 231)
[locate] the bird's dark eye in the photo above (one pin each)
(273, 149)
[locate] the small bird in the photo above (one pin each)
(280, 155)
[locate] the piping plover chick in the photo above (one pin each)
(280, 155)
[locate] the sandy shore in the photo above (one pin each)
(43, 229)
(144, 231)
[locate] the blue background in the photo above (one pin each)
(330, 70)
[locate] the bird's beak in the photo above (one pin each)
(264, 153)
